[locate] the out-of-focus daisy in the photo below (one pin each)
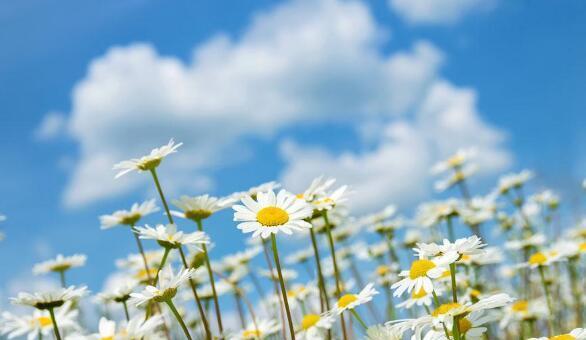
(450, 252)
(447, 311)
(199, 207)
(262, 330)
(419, 298)
(513, 180)
(575, 334)
(166, 287)
(317, 188)
(530, 242)
(419, 276)
(60, 264)
(288, 274)
(168, 237)
(51, 299)
(542, 259)
(129, 217)
(382, 332)
(148, 162)
(430, 214)
(39, 323)
(523, 310)
(300, 256)
(272, 213)
(241, 258)
(351, 301)
(314, 326)
(455, 161)
(330, 200)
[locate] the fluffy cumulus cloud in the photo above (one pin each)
(303, 61)
(397, 168)
(438, 11)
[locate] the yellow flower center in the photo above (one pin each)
(44, 321)
(563, 337)
(309, 321)
(446, 273)
(538, 259)
(143, 275)
(382, 270)
(253, 333)
(418, 294)
(346, 300)
(445, 308)
(272, 216)
(465, 325)
(520, 306)
(582, 247)
(475, 293)
(107, 338)
(419, 268)
(149, 164)
(130, 219)
(464, 258)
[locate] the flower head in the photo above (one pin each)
(351, 301)
(128, 217)
(148, 162)
(166, 287)
(51, 299)
(199, 207)
(168, 237)
(60, 264)
(271, 213)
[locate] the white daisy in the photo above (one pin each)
(49, 300)
(262, 330)
(513, 180)
(199, 207)
(455, 161)
(314, 326)
(168, 237)
(272, 213)
(330, 200)
(60, 264)
(382, 332)
(38, 323)
(351, 301)
(128, 217)
(542, 259)
(317, 188)
(166, 287)
(575, 334)
(418, 297)
(148, 162)
(419, 276)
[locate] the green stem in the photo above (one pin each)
(158, 185)
(142, 254)
(548, 300)
(282, 283)
(320, 279)
(179, 318)
(126, 310)
(454, 287)
(574, 278)
(450, 229)
(360, 321)
(161, 265)
(436, 300)
(336, 272)
(196, 296)
(212, 282)
(55, 327)
(62, 277)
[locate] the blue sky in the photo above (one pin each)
(524, 62)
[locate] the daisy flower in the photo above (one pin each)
(455, 161)
(419, 276)
(49, 300)
(419, 298)
(351, 301)
(330, 200)
(241, 258)
(262, 330)
(470, 326)
(542, 259)
(60, 264)
(533, 241)
(166, 287)
(513, 180)
(39, 323)
(575, 334)
(168, 237)
(523, 310)
(148, 162)
(272, 213)
(136, 328)
(314, 326)
(430, 214)
(382, 332)
(449, 252)
(199, 207)
(128, 217)
(459, 175)
(447, 311)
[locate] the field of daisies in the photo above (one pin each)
(516, 273)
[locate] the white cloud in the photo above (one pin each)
(438, 11)
(397, 169)
(303, 61)
(51, 126)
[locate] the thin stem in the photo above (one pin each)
(142, 254)
(360, 321)
(574, 281)
(436, 300)
(158, 185)
(548, 300)
(240, 310)
(320, 276)
(276, 288)
(450, 229)
(62, 277)
(283, 289)
(179, 318)
(126, 310)
(161, 265)
(336, 272)
(197, 301)
(55, 327)
(454, 287)
(212, 283)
